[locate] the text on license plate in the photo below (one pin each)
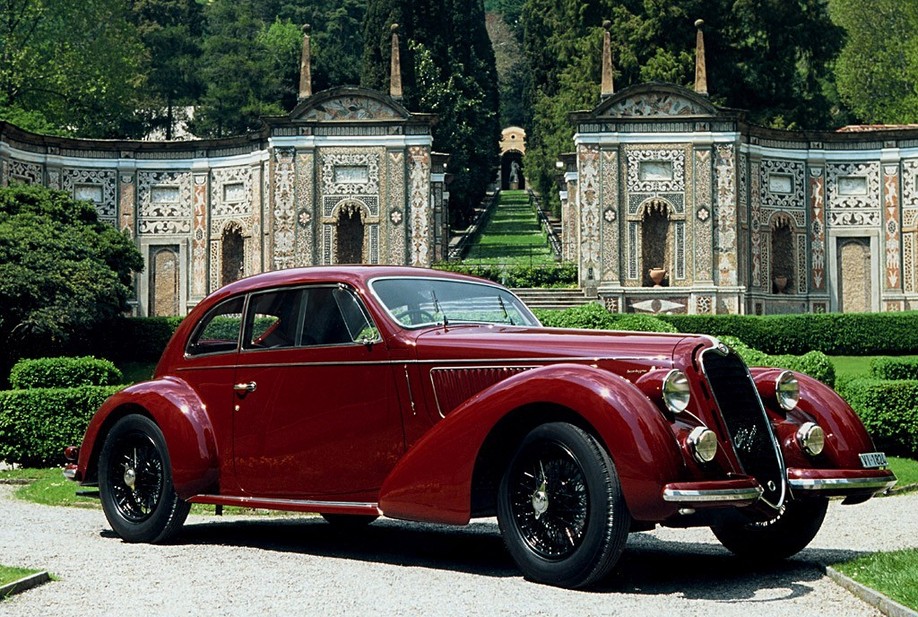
(872, 460)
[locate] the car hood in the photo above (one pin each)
(493, 342)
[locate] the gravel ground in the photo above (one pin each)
(293, 565)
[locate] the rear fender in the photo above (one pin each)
(181, 417)
(433, 481)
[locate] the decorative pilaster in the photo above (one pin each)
(611, 272)
(755, 223)
(891, 227)
(590, 245)
(284, 213)
(419, 196)
(305, 208)
(818, 228)
(127, 203)
(199, 266)
(704, 233)
(725, 214)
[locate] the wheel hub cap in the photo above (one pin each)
(540, 502)
(130, 477)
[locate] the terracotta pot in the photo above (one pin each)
(780, 283)
(657, 275)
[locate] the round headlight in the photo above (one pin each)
(812, 438)
(703, 443)
(676, 393)
(787, 390)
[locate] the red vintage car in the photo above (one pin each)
(362, 391)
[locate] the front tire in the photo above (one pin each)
(135, 482)
(560, 507)
(787, 534)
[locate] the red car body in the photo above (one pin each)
(422, 422)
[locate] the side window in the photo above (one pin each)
(334, 316)
(272, 319)
(218, 331)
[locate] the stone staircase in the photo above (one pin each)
(552, 298)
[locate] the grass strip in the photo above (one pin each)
(895, 574)
(9, 574)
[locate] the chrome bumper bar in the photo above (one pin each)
(723, 495)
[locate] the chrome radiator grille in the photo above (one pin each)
(745, 419)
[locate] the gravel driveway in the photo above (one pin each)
(296, 566)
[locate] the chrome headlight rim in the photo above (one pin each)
(811, 438)
(787, 390)
(702, 442)
(676, 392)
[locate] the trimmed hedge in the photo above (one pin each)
(844, 334)
(561, 274)
(595, 317)
(893, 368)
(889, 411)
(36, 425)
(64, 372)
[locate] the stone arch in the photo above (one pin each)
(512, 150)
(656, 216)
(350, 232)
(783, 257)
(232, 253)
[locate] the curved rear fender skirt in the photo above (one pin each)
(432, 482)
(846, 436)
(181, 417)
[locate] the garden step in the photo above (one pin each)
(555, 299)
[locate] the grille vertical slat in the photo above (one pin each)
(745, 419)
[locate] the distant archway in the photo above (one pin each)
(350, 236)
(512, 150)
(233, 254)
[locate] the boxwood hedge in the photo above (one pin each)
(64, 372)
(889, 411)
(36, 425)
(894, 368)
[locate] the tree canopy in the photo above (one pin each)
(61, 269)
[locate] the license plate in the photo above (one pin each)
(872, 460)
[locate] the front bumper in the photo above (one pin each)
(737, 493)
(840, 482)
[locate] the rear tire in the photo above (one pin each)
(135, 482)
(560, 507)
(787, 534)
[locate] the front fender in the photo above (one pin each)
(433, 481)
(180, 415)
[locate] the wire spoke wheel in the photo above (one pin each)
(549, 500)
(137, 474)
(560, 507)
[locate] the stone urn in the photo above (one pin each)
(657, 275)
(780, 284)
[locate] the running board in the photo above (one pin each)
(291, 505)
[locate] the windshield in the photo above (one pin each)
(415, 302)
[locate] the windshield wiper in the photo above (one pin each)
(504, 309)
(433, 295)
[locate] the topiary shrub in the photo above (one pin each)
(563, 274)
(814, 363)
(889, 411)
(894, 368)
(64, 372)
(36, 425)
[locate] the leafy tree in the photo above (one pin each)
(448, 67)
(72, 65)
(61, 270)
(171, 32)
(877, 70)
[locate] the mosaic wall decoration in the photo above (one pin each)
(164, 202)
(651, 104)
(23, 172)
(199, 240)
(419, 203)
(348, 173)
(305, 208)
(801, 269)
(704, 235)
(704, 305)
(351, 108)
(254, 249)
(231, 195)
(54, 179)
(104, 180)
(908, 258)
(4, 172)
(284, 209)
(655, 170)
(610, 265)
(910, 183)
(755, 224)
(782, 184)
(126, 201)
(743, 197)
(590, 242)
(395, 204)
(891, 225)
(725, 214)
(818, 228)
(853, 194)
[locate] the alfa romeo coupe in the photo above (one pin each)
(367, 391)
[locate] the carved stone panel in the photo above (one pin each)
(421, 218)
(96, 185)
(164, 201)
(725, 214)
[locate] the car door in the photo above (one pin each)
(315, 414)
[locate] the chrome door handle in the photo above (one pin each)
(245, 387)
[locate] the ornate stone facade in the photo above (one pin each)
(203, 213)
(753, 220)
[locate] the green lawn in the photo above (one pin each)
(512, 235)
(906, 471)
(895, 574)
(9, 574)
(850, 367)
